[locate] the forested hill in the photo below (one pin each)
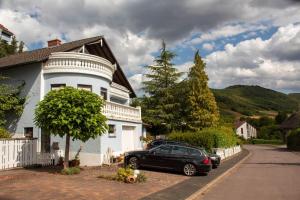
(295, 96)
(254, 100)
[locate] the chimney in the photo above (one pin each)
(54, 43)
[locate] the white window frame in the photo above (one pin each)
(57, 86)
(85, 87)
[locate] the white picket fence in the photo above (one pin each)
(23, 152)
(227, 152)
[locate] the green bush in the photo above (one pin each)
(141, 177)
(4, 133)
(70, 171)
(208, 138)
(263, 141)
(293, 140)
(123, 173)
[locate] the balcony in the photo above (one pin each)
(73, 62)
(122, 112)
(119, 91)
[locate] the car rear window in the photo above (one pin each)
(194, 152)
(177, 150)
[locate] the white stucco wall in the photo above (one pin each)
(246, 131)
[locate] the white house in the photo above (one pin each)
(5, 34)
(87, 64)
(245, 130)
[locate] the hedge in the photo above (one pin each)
(263, 141)
(293, 140)
(208, 138)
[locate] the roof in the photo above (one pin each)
(291, 122)
(40, 55)
(239, 123)
(5, 29)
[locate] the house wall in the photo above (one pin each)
(31, 74)
(242, 131)
(72, 79)
(248, 131)
(93, 151)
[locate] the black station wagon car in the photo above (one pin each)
(188, 160)
(215, 159)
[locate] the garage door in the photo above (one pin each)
(128, 138)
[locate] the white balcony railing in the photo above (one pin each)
(73, 62)
(122, 112)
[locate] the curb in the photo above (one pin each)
(197, 195)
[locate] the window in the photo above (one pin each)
(242, 131)
(112, 131)
(103, 93)
(194, 152)
(177, 150)
(57, 86)
(165, 149)
(84, 87)
(28, 132)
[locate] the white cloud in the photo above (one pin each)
(264, 62)
(208, 46)
(227, 31)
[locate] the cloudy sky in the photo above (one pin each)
(254, 42)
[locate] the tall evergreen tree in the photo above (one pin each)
(159, 102)
(203, 110)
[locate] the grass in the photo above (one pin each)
(70, 171)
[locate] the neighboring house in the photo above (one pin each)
(5, 34)
(87, 64)
(291, 123)
(245, 130)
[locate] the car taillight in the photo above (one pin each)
(206, 161)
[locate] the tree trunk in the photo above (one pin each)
(67, 150)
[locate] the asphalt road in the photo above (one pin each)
(269, 173)
(184, 189)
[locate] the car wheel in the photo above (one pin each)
(189, 169)
(133, 162)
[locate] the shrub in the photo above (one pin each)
(4, 133)
(70, 171)
(263, 141)
(208, 138)
(141, 177)
(293, 140)
(123, 173)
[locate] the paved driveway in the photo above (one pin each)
(269, 173)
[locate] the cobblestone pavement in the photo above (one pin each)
(40, 184)
(269, 173)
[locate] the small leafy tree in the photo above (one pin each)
(72, 113)
(203, 109)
